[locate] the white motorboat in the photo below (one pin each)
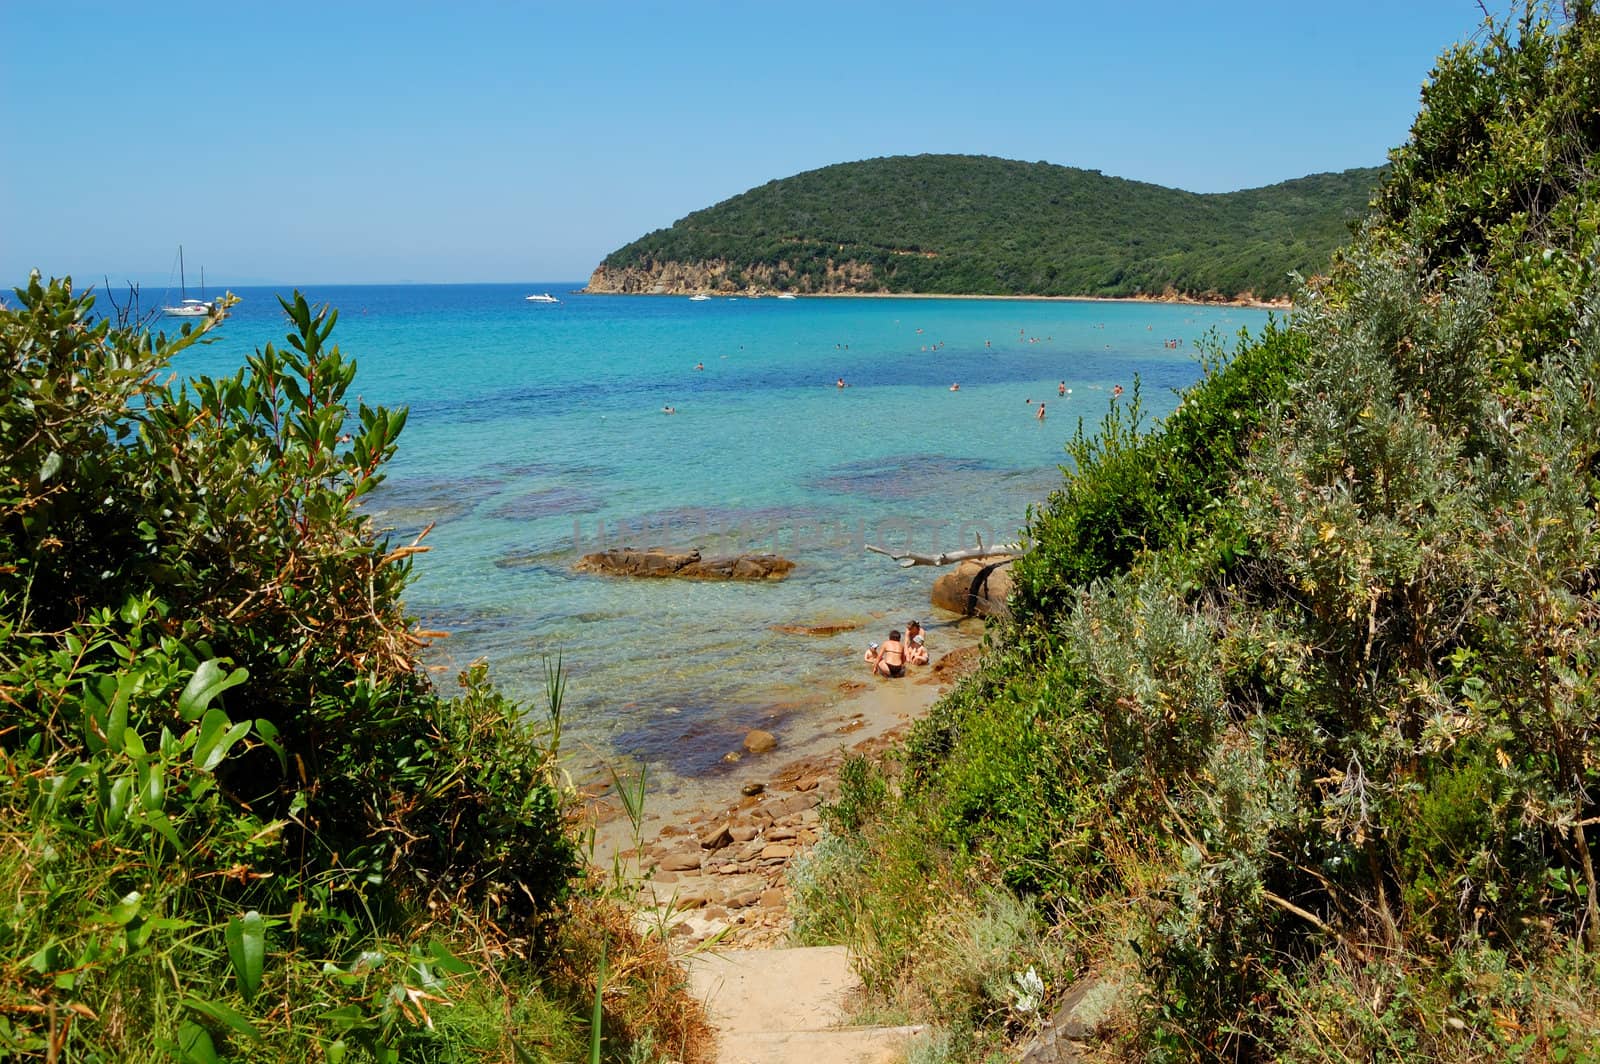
(700, 298)
(785, 295)
(544, 297)
(187, 308)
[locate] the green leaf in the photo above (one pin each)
(125, 910)
(267, 732)
(224, 1015)
(158, 822)
(194, 1045)
(247, 949)
(596, 1036)
(208, 681)
(446, 961)
(217, 737)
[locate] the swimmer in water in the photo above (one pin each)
(1041, 411)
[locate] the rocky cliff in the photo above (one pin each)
(717, 275)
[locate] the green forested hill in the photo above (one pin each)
(975, 224)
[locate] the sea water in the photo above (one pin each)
(537, 433)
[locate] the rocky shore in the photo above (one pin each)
(718, 866)
(849, 279)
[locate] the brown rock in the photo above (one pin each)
(809, 783)
(781, 834)
(750, 790)
(744, 899)
(717, 839)
(817, 629)
(795, 803)
(773, 898)
(760, 742)
(744, 832)
(978, 587)
(680, 862)
(776, 851)
(631, 562)
(665, 877)
(740, 567)
(657, 562)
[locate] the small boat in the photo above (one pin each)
(544, 297)
(187, 308)
(785, 295)
(700, 298)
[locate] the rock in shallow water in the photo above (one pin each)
(687, 565)
(978, 587)
(759, 742)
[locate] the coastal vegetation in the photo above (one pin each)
(237, 819)
(1293, 749)
(964, 224)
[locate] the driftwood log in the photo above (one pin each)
(910, 558)
(981, 584)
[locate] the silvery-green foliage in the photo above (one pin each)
(1149, 665)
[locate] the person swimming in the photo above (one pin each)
(699, 365)
(1041, 412)
(1061, 389)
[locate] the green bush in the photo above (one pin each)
(1302, 700)
(227, 766)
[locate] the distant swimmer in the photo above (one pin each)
(955, 387)
(699, 365)
(1117, 390)
(1061, 389)
(988, 343)
(839, 383)
(1040, 415)
(669, 410)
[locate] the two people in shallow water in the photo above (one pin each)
(890, 658)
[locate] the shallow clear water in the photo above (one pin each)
(536, 431)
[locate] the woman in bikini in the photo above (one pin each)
(891, 657)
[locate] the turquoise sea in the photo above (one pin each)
(537, 433)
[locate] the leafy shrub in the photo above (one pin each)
(227, 764)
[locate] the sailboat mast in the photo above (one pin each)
(182, 283)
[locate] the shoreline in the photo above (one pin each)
(710, 858)
(1183, 301)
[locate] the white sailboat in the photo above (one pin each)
(186, 307)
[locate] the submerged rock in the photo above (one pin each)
(655, 562)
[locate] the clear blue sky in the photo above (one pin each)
(343, 142)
